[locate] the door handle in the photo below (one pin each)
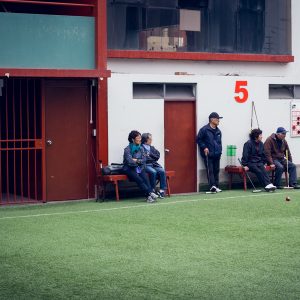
(49, 142)
(167, 150)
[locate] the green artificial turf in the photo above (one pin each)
(232, 245)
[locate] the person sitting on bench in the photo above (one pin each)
(278, 153)
(134, 161)
(254, 159)
(153, 168)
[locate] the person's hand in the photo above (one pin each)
(246, 168)
(134, 159)
(206, 151)
(272, 166)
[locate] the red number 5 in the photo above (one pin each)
(240, 88)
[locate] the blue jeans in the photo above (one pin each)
(154, 173)
(280, 167)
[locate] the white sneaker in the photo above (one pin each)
(270, 187)
(153, 195)
(150, 199)
(218, 190)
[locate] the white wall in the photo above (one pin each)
(126, 114)
(215, 92)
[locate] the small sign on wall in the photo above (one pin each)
(190, 20)
(295, 119)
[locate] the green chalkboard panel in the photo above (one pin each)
(47, 41)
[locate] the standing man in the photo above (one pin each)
(209, 140)
(278, 153)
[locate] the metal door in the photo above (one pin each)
(21, 143)
(180, 145)
(68, 135)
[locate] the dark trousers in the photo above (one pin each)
(212, 170)
(280, 167)
(261, 173)
(141, 179)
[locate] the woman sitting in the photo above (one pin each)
(254, 159)
(134, 161)
(153, 168)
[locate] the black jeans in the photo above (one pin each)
(141, 179)
(261, 173)
(212, 165)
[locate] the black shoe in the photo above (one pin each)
(296, 186)
(161, 195)
(213, 189)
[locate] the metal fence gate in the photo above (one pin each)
(21, 146)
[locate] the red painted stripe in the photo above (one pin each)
(13, 72)
(101, 36)
(102, 123)
(199, 56)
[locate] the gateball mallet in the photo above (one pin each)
(287, 170)
(206, 160)
(254, 188)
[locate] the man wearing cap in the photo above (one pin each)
(277, 152)
(209, 140)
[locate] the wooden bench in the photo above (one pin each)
(114, 179)
(239, 170)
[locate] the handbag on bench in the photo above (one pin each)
(113, 169)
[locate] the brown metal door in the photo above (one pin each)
(21, 144)
(67, 136)
(180, 141)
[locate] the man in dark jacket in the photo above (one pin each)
(209, 140)
(278, 153)
(254, 159)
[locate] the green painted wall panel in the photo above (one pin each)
(47, 41)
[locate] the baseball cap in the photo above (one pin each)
(281, 130)
(214, 115)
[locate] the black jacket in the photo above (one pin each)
(253, 153)
(210, 138)
(152, 157)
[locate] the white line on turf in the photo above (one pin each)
(136, 206)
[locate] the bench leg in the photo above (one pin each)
(168, 186)
(117, 190)
(100, 191)
(230, 181)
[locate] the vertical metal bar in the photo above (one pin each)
(21, 145)
(28, 150)
(35, 151)
(14, 138)
(7, 138)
